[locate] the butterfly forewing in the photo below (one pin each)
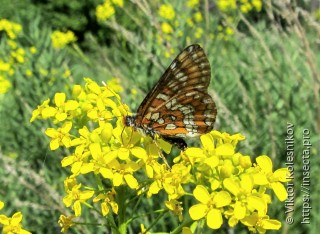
(179, 104)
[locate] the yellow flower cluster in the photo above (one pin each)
(12, 224)
(166, 11)
(12, 29)
(171, 22)
(227, 183)
(106, 10)
(12, 56)
(5, 85)
(244, 5)
(61, 39)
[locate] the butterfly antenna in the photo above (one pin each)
(117, 96)
(161, 154)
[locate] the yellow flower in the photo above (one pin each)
(108, 202)
(265, 176)
(66, 222)
(143, 230)
(59, 136)
(28, 73)
(76, 197)
(166, 28)
(210, 206)
(246, 7)
(229, 31)
(190, 22)
(61, 39)
(175, 207)
(227, 5)
(4, 66)
(166, 11)
(198, 16)
(43, 111)
(118, 3)
(257, 4)
(67, 73)
(33, 50)
(260, 224)
(12, 29)
(198, 33)
(12, 225)
(105, 10)
(5, 85)
(134, 92)
(245, 199)
(192, 3)
(12, 44)
(64, 107)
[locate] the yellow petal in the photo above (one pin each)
(48, 112)
(59, 99)
(106, 173)
(95, 150)
(222, 198)
(201, 194)
(232, 186)
(239, 210)
(131, 181)
(54, 144)
(281, 174)
(225, 150)
(117, 179)
(66, 161)
(139, 152)
(258, 204)
(260, 179)
(51, 132)
(77, 208)
(85, 195)
(123, 153)
(195, 152)
(279, 190)
(207, 142)
(71, 105)
(16, 218)
(271, 224)
(198, 211)
(104, 208)
(265, 163)
(214, 219)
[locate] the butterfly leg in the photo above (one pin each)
(178, 142)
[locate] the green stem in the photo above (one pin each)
(122, 224)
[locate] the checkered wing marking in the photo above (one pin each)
(179, 104)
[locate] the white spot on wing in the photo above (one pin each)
(192, 134)
(179, 75)
(171, 103)
(160, 121)
(173, 66)
(171, 126)
(162, 96)
(155, 116)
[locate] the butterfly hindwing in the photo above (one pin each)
(179, 105)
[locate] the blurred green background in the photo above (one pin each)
(265, 62)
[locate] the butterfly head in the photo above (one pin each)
(129, 121)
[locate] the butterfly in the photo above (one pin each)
(178, 106)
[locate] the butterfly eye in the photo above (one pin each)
(179, 105)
